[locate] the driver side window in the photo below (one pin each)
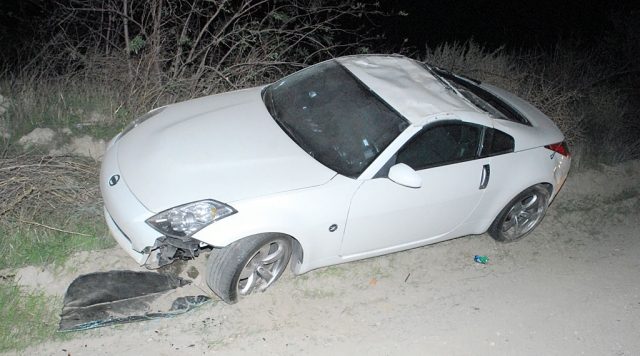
(440, 145)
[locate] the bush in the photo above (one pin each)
(160, 51)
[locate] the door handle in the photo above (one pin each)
(486, 173)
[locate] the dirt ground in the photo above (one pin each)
(570, 288)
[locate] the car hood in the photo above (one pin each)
(224, 147)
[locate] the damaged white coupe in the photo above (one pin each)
(351, 158)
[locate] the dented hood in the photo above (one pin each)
(224, 147)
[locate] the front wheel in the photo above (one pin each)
(521, 215)
(247, 265)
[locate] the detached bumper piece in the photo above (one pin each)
(118, 297)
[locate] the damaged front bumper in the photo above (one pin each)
(168, 249)
(162, 252)
(126, 218)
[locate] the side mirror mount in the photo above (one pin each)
(405, 175)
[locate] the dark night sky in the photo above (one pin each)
(519, 24)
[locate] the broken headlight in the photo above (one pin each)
(186, 220)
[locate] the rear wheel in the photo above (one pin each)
(248, 265)
(521, 215)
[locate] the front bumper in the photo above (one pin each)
(124, 214)
(122, 239)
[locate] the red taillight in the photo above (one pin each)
(561, 148)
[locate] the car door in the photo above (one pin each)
(387, 215)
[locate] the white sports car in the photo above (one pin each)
(351, 158)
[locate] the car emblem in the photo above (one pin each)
(114, 179)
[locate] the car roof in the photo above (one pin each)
(422, 98)
(407, 86)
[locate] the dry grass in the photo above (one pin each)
(32, 186)
(50, 207)
(473, 60)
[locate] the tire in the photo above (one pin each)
(521, 215)
(247, 265)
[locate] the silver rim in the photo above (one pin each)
(523, 216)
(263, 267)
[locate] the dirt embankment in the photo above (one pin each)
(572, 287)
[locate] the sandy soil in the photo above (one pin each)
(570, 288)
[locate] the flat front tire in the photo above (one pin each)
(521, 215)
(248, 265)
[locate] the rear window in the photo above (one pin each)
(481, 98)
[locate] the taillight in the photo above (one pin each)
(562, 148)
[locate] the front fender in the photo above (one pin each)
(305, 214)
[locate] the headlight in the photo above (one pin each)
(186, 220)
(141, 119)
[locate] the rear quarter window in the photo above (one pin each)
(496, 143)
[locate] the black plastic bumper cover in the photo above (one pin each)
(116, 297)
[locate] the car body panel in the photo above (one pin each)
(384, 213)
(512, 174)
(232, 151)
(305, 214)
